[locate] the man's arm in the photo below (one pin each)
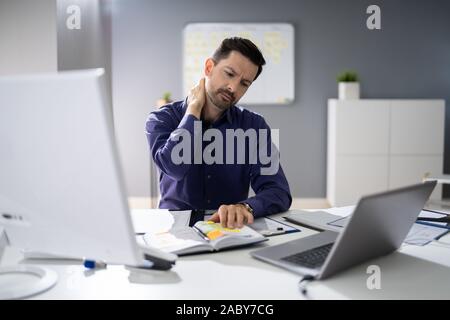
(272, 194)
(163, 134)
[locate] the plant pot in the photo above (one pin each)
(162, 102)
(348, 90)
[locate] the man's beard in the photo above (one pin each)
(217, 99)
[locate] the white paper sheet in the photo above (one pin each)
(158, 220)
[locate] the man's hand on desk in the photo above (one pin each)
(232, 216)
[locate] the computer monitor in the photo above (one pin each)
(61, 185)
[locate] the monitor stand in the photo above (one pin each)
(17, 282)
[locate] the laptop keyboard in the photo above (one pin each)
(312, 258)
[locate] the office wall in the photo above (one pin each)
(90, 45)
(408, 58)
(27, 36)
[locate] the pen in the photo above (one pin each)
(441, 219)
(445, 218)
(200, 234)
(92, 264)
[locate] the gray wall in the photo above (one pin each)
(408, 58)
(89, 46)
(27, 36)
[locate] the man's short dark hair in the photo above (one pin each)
(243, 46)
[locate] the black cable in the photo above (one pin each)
(304, 282)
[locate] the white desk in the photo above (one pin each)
(412, 273)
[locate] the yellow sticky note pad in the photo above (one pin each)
(214, 234)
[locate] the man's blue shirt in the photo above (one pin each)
(207, 186)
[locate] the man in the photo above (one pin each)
(211, 104)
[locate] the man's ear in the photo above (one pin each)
(209, 66)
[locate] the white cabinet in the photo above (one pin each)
(376, 145)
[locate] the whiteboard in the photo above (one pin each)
(275, 85)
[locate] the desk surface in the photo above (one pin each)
(411, 273)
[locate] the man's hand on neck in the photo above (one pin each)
(197, 99)
(200, 105)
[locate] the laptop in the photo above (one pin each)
(62, 192)
(377, 227)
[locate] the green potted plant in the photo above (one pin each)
(348, 85)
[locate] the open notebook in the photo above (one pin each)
(204, 236)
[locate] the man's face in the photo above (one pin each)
(229, 79)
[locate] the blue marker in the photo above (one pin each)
(92, 264)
